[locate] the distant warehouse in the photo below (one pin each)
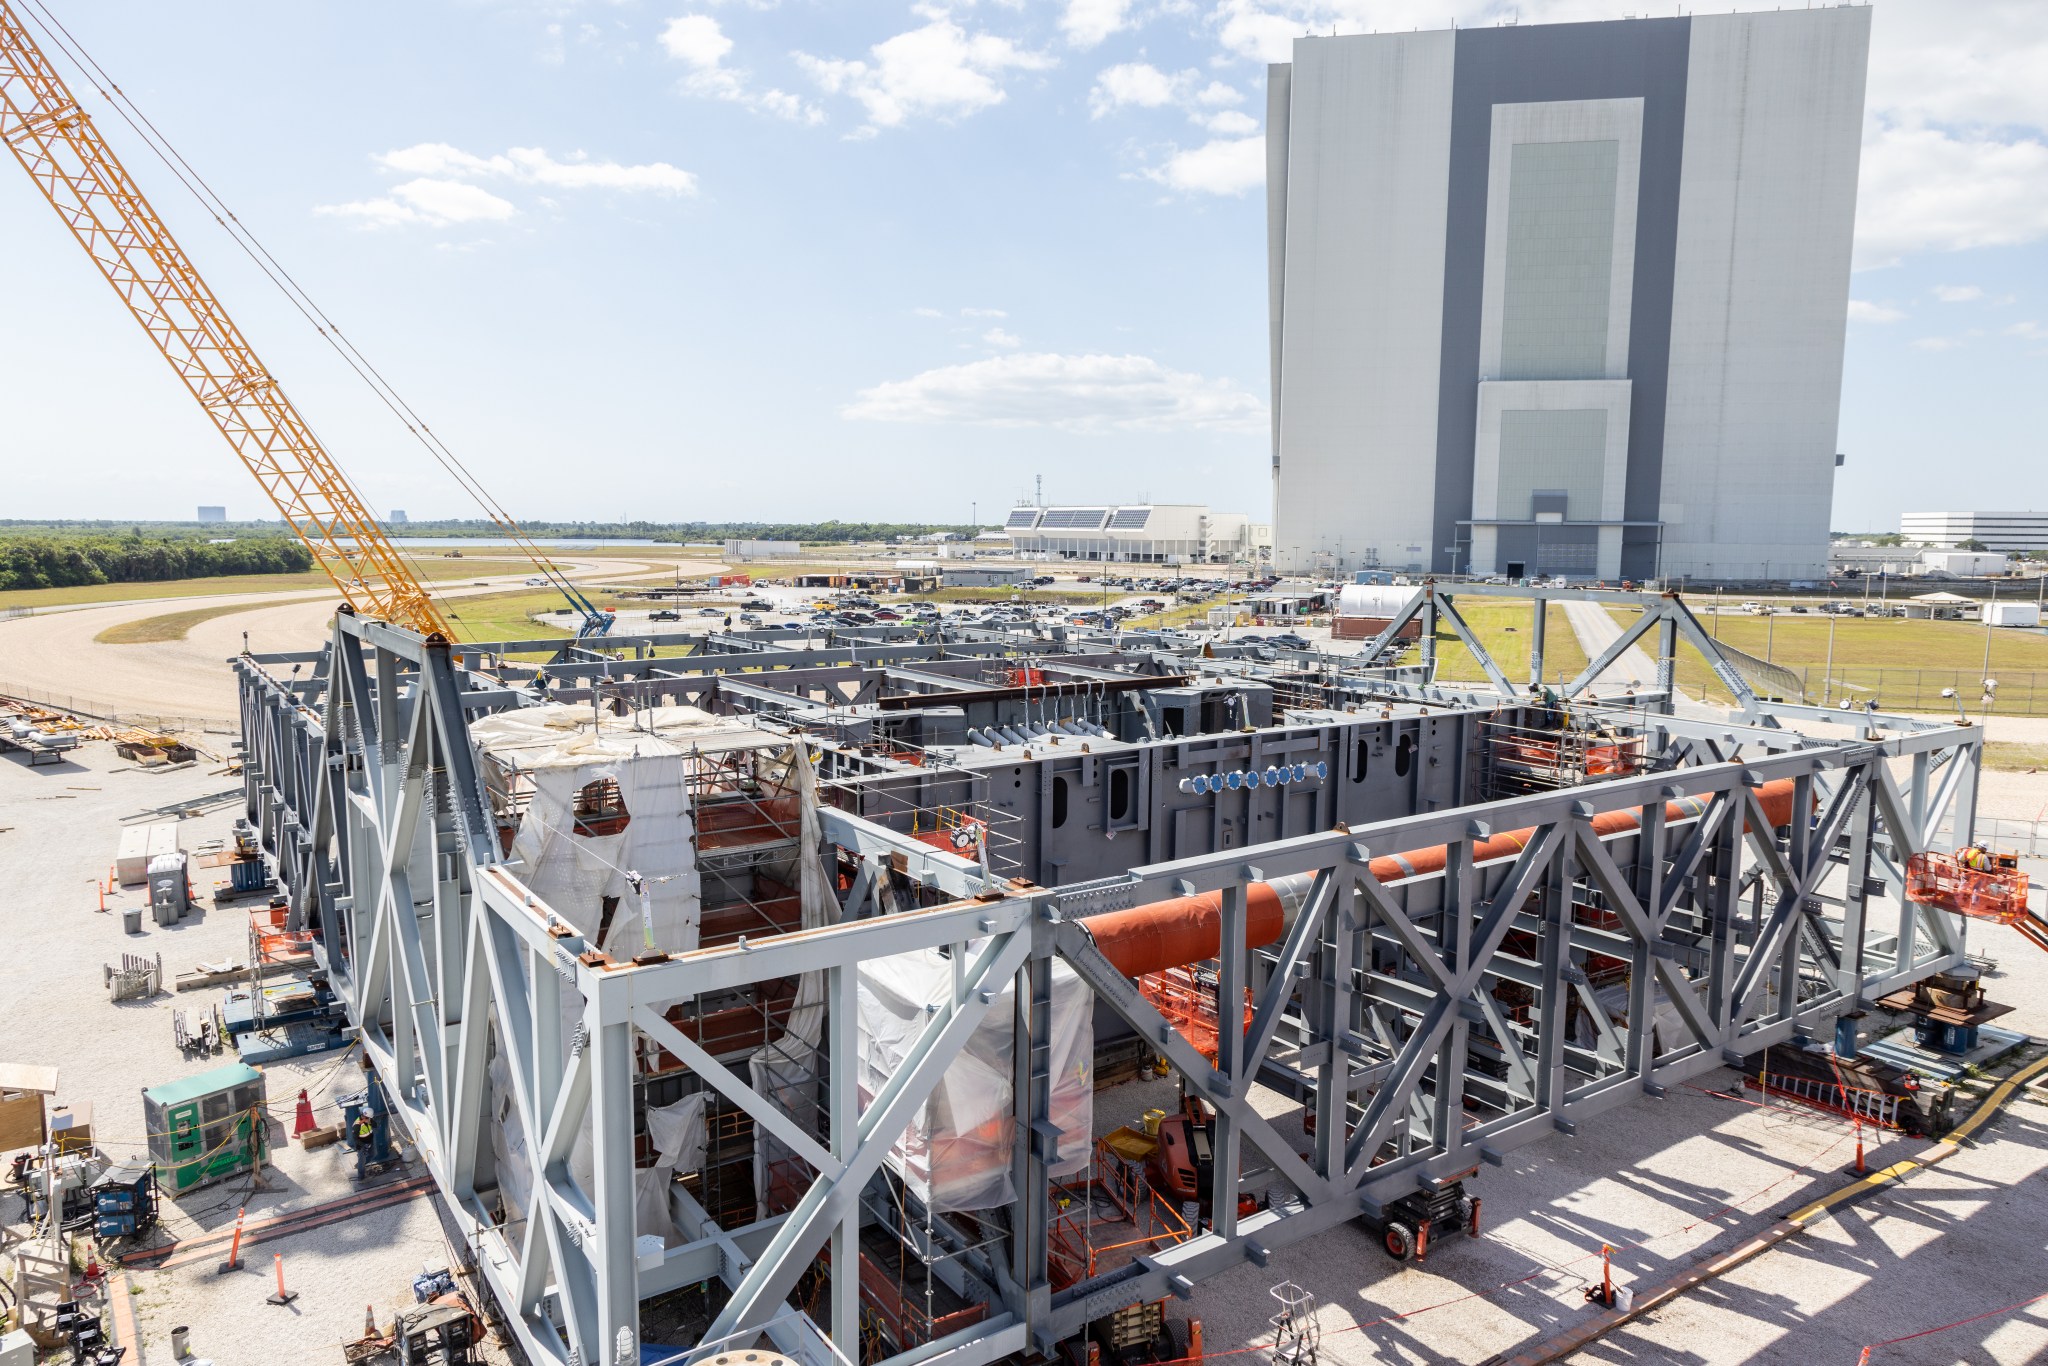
(2009, 531)
(763, 550)
(1149, 533)
(979, 576)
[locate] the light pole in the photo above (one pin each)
(1827, 682)
(1986, 674)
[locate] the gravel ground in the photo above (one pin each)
(61, 826)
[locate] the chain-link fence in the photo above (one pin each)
(2020, 692)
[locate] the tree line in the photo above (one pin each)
(823, 533)
(72, 561)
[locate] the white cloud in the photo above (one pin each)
(996, 336)
(441, 192)
(535, 166)
(938, 71)
(1088, 393)
(1087, 22)
(1219, 166)
(697, 41)
(1247, 30)
(1863, 312)
(1136, 84)
(579, 173)
(1957, 294)
(1217, 93)
(983, 313)
(437, 203)
(1924, 189)
(2029, 331)
(1230, 123)
(439, 159)
(1937, 343)
(927, 312)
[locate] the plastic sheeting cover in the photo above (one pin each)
(956, 1152)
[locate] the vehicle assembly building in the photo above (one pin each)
(1565, 298)
(800, 967)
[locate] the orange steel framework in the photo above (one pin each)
(56, 143)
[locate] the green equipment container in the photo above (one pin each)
(205, 1128)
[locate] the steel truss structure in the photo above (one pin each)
(1427, 1022)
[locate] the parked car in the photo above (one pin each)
(710, 612)
(751, 618)
(665, 614)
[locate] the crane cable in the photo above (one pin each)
(59, 38)
(296, 294)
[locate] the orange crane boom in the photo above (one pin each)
(56, 143)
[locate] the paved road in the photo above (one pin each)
(1597, 630)
(56, 656)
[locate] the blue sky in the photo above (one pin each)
(800, 260)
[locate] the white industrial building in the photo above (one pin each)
(763, 550)
(1563, 298)
(2008, 531)
(1144, 533)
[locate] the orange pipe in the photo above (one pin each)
(1189, 929)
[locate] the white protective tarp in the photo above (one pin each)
(785, 1069)
(573, 874)
(956, 1152)
(561, 749)
(678, 1134)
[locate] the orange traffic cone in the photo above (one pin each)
(302, 1122)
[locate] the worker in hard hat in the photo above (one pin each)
(1975, 858)
(366, 1141)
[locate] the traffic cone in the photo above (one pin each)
(302, 1122)
(369, 1320)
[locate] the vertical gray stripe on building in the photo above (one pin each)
(1641, 58)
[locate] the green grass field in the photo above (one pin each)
(1904, 664)
(1503, 628)
(510, 615)
(174, 625)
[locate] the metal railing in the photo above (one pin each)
(94, 710)
(2028, 839)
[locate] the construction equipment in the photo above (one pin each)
(1996, 892)
(57, 143)
(1408, 1225)
(206, 1128)
(124, 1202)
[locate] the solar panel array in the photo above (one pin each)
(1074, 519)
(1130, 519)
(1021, 519)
